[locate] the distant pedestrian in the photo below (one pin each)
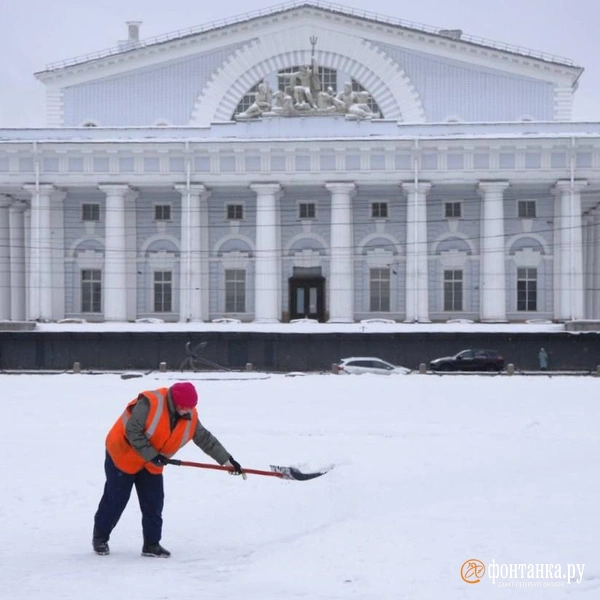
(543, 359)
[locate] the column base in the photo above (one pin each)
(266, 321)
(491, 321)
(341, 320)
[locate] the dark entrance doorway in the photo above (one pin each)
(307, 296)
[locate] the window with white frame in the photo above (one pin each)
(248, 100)
(235, 212)
(90, 212)
(162, 212)
(235, 290)
(307, 210)
(452, 210)
(526, 209)
(453, 290)
(91, 290)
(163, 291)
(379, 210)
(379, 289)
(527, 289)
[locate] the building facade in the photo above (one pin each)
(304, 162)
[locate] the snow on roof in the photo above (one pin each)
(297, 129)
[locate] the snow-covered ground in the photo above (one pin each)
(426, 472)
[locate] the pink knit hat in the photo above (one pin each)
(184, 395)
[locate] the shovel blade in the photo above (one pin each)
(295, 474)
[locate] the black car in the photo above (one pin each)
(469, 360)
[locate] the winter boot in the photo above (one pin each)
(100, 543)
(100, 546)
(155, 550)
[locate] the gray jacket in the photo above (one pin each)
(203, 438)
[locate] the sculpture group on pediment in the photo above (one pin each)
(302, 96)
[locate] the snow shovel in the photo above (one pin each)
(279, 472)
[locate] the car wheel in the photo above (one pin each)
(492, 368)
(445, 367)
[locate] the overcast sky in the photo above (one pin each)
(34, 33)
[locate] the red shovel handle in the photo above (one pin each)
(187, 463)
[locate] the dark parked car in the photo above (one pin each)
(469, 360)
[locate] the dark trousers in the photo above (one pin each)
(117, 490)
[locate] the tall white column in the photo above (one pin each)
(5, 312)
(417, 267)
(596, 265)
(40, 259)
(571, 283)
(341, 265)
(492, 267)
(18, 307)
(588, 259)
(114, 284)
(268, 255)
(193, 286)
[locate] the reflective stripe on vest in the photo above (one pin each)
(158, 431)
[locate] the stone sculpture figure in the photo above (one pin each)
(309, 85)
(302, 96)
(263, 99)
(360, 109)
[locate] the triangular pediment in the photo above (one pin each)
(390, 61)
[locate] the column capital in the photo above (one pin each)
(341, 187)
(117, 189)
(19, 206)
(492, 186)
(421, 187)
(45, 189)
(564, 185)
(5, 201)
(196, 189)
(266, 188)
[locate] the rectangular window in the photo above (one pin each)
(235, 291)
(453, 290)
(163, 291)
(379, 286)
(235, 212)
(379, 210)
(527, 289)
(162, 212)
(91, 291)
(452, 210)
(307, 210)
(526, 209)
(90, 212)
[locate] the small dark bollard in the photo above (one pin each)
(162, 367)
(76, 367)
(335, 369)
(422, 368)
(249, 366)
(510, 369)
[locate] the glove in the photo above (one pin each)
(237, 468)
(160, 460)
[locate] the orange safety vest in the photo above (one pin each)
(157, 430)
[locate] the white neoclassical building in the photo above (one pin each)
(305, 161)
